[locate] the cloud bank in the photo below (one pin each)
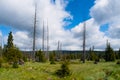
(19, 14)
(107, 11)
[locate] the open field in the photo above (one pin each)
(80, 71)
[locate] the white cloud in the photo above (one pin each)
(22, 40)
(0, 38)
(0, 33)
(17, 13)
(20, 15)
(107, 11)
(94, 37)
(114, 30)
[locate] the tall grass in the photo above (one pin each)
(46, 71)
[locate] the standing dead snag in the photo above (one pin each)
(84, 41)
(47, 53)
(34, 32)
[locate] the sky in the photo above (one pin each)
(65, 19)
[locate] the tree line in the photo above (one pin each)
(12, 54)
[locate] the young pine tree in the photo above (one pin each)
(10, 41)
(64, 71)
(11, 53)
(52, 57)
(40, 56)
(9, 45)
(1, 50)
(92, 55)
(119, 53)
(109, 53)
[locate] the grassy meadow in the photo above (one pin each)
(46, 71)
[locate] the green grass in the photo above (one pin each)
(80, 71)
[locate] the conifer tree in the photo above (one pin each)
(109, 53)
(1, 50)
(119, 53)
(11, 53)
(64, 71)
(10, 41)
(9, 46)
(40, 56)
(52, 57)
(89, 56)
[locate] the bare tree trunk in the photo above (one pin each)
(58, 50)
(43, 38)
(34, 33)
(1, 46)
(47, 42)
(84, 41)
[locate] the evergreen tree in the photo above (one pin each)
(10, 41)
(9, 45)
(25, 58)
(1, 50)
(52, 57)
(89, 56)
(109, 53)
(1, 61)
(64, 71)
(119, 53)
(40, 57)
(92, 55)
(11, 53)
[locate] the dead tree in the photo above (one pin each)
(47, 42)
(84, 42)
(1, 45)
(58, 49)
(43, 38)
(34, 32)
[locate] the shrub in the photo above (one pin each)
(118, 62)
(64, 71)
(1, 61)
(52, 58)
(12, 54)
(109, 53)
(24, 59)
(15, 65)
(10, 51)
(6, 65)
(40, 56)
(52, 62)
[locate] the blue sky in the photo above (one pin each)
(104, 27)
(5, 29)
(65, 22)
(79, 9)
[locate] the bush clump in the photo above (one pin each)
(6, 65)
(1, 61)
(25, 59)
(118, 62)
(40, 56)
(15, 65)
(52, 58)
(64, 71)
